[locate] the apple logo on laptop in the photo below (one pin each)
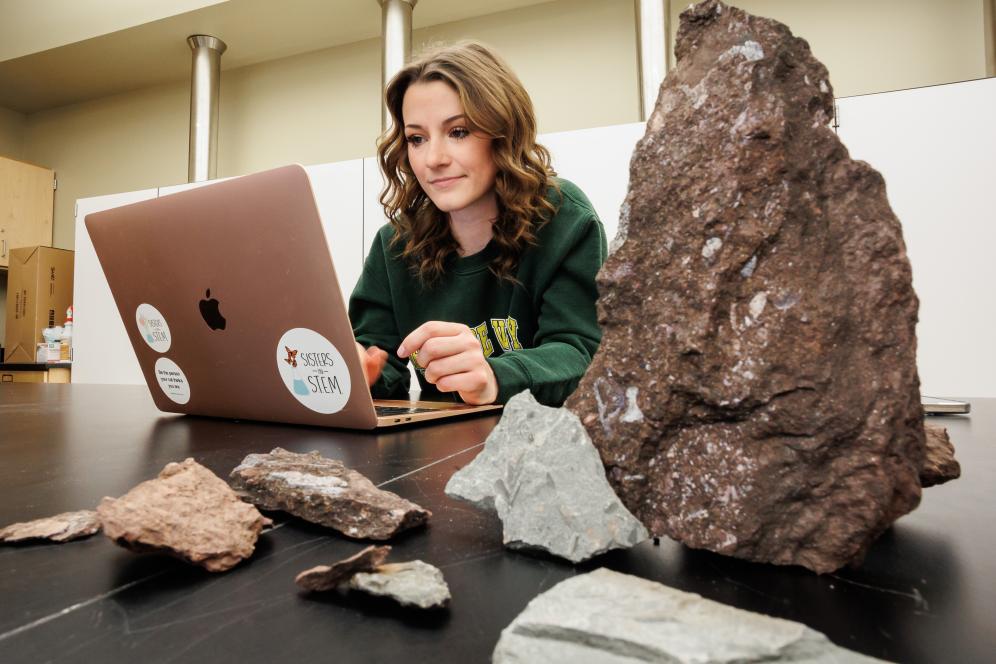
(209, 311)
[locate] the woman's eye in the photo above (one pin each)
(459, 132)
(414, 139)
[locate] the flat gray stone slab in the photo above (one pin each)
(605, 617)
(413, 583)
(540, 472)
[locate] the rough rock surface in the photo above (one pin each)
(414, 583)
(59, 528)
(328, 577)
(541, 474)
(755, 392)
(614, 618)
(325, 492)
(940, 465)
(187, 511)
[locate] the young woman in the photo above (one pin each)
(485, 276)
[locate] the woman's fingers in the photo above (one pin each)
(434, 328)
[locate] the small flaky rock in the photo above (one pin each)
(940, 465)
(329, 577)
(755, 392)
(324, 491)
(605, 616)
(414, 583)
(188, 512)
(59, 528)
(544, 478)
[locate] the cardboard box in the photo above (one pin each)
(39, 290)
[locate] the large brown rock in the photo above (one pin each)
(324, 491)
(188, 512)
(755, 392)
(940, 465)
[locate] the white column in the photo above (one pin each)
(989, 23)
(653, 43)
(396, 32)
(205, 80)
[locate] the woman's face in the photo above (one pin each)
(454, 166)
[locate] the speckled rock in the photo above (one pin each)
(188, 512)
(325, 492)
(755, 392)
(605, 617)
(59, 528)
(329, 577)
(414, 583)
(940, 465)
(543, 477)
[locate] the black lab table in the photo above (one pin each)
(926, 592)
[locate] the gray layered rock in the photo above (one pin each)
(188, 512)
(329, 577)
(413, 583)
(59, 528)
(605, 617)
(325, 492)
(541, 474)
(755, 392)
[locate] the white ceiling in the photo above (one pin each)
(156, 52)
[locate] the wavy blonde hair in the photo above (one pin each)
(497, 105)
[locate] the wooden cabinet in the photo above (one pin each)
(26, 197)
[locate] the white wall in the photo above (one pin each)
(936, 148)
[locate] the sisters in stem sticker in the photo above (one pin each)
(313, 370)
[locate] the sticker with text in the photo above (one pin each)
(172, 380)
(313, 370)
(153, 328)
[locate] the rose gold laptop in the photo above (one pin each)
(232, 305)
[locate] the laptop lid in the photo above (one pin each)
(231, 302)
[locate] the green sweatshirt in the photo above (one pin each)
(538, 335)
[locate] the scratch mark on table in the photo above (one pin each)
(918, 600)
(430, 465)
(79, 605)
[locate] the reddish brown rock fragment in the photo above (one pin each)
(940, 465)
(188, 512)
(325, 492)
(59, 528)
(329, 577)
(755, 392)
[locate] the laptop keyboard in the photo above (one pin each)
(386, 411)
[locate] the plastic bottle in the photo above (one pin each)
(66, 338)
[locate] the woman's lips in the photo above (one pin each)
(442, 183)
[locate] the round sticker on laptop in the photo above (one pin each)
(313, 370)
(172, 380)
(153, 328)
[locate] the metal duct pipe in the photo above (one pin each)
(653, 43)
(396, 29)
(205, 79)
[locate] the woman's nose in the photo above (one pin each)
(437, 154)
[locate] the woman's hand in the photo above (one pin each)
(372, 360)
(453, 361)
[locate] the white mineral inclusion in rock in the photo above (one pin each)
(757, 304)
(748, 269)
(750, 50)
(711, 246)
(633, 412)
(298, 480)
